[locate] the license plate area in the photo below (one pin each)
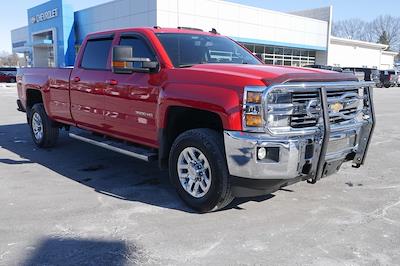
(341, 144)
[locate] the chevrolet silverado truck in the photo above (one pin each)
(225, 124)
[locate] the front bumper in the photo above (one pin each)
(304, 157)
(287, 157)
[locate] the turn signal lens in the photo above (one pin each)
(119, 64)
(254, 97)
(253, 120)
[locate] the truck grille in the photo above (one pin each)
(349, 100)
(349, 110)
(301, 119)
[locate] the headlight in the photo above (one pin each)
(253, 110)
(254, 97)
(279, 110)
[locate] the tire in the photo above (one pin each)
(217, 193)
(44, 133)
(12, 80)
(387, 85)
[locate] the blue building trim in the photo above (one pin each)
(282, 44)
(42, 19)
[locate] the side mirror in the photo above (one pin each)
(123, 61)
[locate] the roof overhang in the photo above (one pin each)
(343, 41)
(390, 53)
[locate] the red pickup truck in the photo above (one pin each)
(225, 124)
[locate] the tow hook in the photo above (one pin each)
(312, 181)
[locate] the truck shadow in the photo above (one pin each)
(66, 251)
(104, 171)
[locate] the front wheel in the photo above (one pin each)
(198, 170)
(44, 133)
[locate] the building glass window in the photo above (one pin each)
(273, 55)
(249, 47)
(259, 49)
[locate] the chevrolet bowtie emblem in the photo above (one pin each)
(336, 107)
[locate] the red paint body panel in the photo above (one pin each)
(134, 107)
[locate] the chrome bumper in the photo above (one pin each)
(241, 155)
(289, 157)
(311, 156)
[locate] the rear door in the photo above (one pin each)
(88, 81)
(131, 99)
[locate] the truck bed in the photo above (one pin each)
(54, 84)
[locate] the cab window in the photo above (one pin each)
(96, 54)
(140, 48)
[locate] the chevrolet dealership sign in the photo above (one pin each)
(44, 16)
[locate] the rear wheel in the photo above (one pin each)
(44, 133)
(12, 80)
(198, 170)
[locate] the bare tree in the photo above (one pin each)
(388, 28)
(384, 29)
(354, 29)
(7, 59)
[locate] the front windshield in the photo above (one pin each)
(186, 50)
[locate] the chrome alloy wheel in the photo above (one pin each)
(37, 126)
(194, 172)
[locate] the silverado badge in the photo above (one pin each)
(336, 107)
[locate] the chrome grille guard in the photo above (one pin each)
(367, 126)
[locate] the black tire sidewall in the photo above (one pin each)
(218, 173)
(49, 137)
(37, 108)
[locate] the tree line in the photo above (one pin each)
(11, 60)
(384, 29)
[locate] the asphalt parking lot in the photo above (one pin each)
(80, 205)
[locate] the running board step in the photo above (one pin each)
(116, 146)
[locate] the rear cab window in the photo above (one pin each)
(96, 53)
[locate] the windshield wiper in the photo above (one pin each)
(186, 65)
(190, 65)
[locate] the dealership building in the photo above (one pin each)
(55, 31)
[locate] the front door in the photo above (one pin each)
(131, 99)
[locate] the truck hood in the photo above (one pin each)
(275, 74)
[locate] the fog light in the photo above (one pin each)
(261, 153)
